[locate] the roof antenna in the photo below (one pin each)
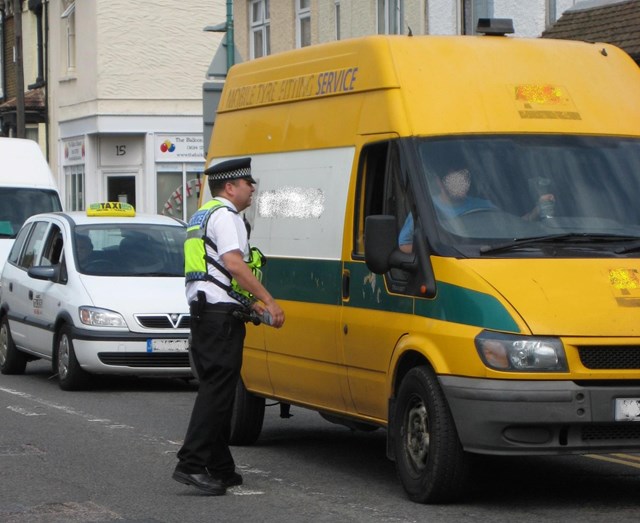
(410, 31)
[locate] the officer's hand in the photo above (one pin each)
(276, 312)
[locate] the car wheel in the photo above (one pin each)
(430, 461)
(70, 375)
(12, 361)
(247, 416)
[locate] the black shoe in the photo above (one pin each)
(232, 480)
(204, 482)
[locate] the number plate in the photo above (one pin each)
(167, 345)
(627, 409)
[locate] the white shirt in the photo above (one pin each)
(228, 232)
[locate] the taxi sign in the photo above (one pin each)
(111, 209)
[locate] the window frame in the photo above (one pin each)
(69, 16)
(390, 22)
(260, 24)
(303, 21)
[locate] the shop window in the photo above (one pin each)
(74, 187)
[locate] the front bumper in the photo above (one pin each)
(540, 417)
(126, 353)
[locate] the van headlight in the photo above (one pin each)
(515, 353)
(101, 317)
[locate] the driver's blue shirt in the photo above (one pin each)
(448, 210)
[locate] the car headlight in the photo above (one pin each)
(101, 317)
(514, 353)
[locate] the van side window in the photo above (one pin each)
(381, 189)
(370, 192)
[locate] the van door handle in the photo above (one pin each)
(346, 280)
(10, 286)
(31, 295)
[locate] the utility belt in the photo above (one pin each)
(200, 306)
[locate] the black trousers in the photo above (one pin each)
(216, 350)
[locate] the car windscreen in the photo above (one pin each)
(130, 249)
(19, 203)
(502, 188)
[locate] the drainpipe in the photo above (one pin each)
(230, 46)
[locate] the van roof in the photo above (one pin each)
(22, 164)
(432, 85)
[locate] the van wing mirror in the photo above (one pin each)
(381, 252)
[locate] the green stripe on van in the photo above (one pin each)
(320, 281)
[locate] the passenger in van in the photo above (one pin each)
(453, 200)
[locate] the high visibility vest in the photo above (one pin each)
(196, 257)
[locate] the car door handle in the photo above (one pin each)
(11, 287)
(31, 295)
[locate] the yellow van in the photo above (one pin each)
(452, 225)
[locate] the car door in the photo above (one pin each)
(22, 302)
(46, 294)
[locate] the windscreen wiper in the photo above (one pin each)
(564, 238)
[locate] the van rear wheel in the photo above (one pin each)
(430, 460)
(247, 417)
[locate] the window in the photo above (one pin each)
(303, 23)
(260, 29)
(390, 16)
(1, 55)
(337, 6)
(74, 185)
(69, 15)
(34, 245)
(551, 13)
(471, 10)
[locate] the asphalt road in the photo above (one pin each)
(106, 455)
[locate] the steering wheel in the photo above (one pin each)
(477, 210)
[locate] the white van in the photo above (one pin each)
(27, 187)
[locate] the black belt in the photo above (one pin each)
(221, 307)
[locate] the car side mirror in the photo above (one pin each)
(42, 272)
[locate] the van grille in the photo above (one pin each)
(143, 359)
(163, 321)
(610, 357)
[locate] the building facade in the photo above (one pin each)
(125, 100)
(22, 42)
(265, 27)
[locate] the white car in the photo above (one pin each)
(98, 292)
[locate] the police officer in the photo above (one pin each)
(219, 284)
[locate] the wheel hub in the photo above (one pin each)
(417, 435)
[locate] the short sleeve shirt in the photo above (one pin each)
(227, 230)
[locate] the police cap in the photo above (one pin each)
(231, 170)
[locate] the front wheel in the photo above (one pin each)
(247, 416)
(430, 460)
(70, 375)
(12, 361)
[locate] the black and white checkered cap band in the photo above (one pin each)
(244, 172)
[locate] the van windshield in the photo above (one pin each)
(18, 203)
(498, 189)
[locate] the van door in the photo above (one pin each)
(375, 314)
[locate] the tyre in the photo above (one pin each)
(12, 361)
(247, 417)
(70, 375)
(430, 461)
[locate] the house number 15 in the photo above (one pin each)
(121, 150)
